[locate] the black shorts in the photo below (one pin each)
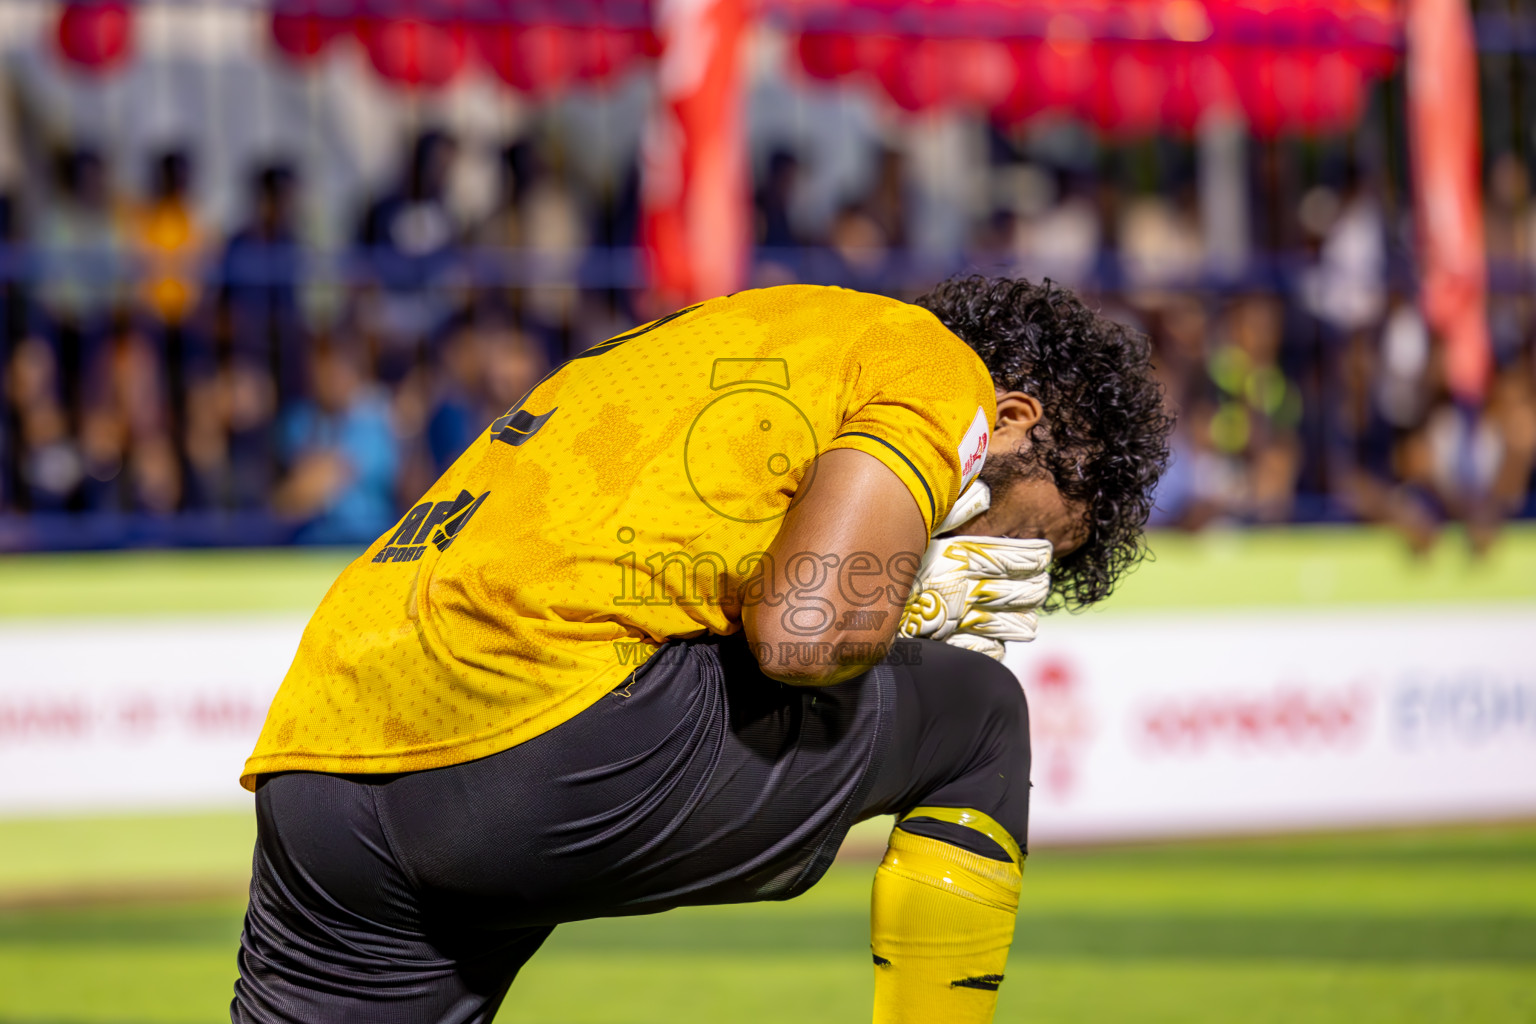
(418, 896)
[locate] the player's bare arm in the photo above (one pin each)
(858, 532)
(856, 514)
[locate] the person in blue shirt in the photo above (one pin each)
(339, 453)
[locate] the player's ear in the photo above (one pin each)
(1016, 413)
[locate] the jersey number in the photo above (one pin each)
(518, 426)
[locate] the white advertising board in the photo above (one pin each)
(1147, 726)
(1144, 725)
(129, 714)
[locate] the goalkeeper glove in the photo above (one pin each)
(978, 592)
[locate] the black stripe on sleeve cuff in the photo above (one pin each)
(933, 508)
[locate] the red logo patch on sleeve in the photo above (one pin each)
(973, 447)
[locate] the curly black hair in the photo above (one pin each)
(1103, 433)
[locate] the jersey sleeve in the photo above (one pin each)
(925, 408)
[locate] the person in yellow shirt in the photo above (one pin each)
(637, 648)
(170, 241)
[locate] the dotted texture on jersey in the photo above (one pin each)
(618, 506)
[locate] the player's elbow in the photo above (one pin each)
(821, 660)
(809, 675)
(780, 655)
(796, 677)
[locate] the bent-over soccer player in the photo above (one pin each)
(673, 624)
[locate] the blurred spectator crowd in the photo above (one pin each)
(235, 385)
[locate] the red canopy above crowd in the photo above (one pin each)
(534, 47)
(1130, 66)
(95, 36)
(428, 46)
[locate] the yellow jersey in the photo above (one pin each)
(623, 502)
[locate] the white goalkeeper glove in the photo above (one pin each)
(978, 592)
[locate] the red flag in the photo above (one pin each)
(696, 204)
(1443, 136)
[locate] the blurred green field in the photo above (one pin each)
(1216, 569)
(1433, 926)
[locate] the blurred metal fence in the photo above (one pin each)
(247, 300)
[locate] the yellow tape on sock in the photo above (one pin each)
(941, 922)
(971, 819)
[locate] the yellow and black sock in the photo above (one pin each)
(941, 922)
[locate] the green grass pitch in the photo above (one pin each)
(134, 920)
(1436, 926)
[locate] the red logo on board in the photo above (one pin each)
(1060, 724)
